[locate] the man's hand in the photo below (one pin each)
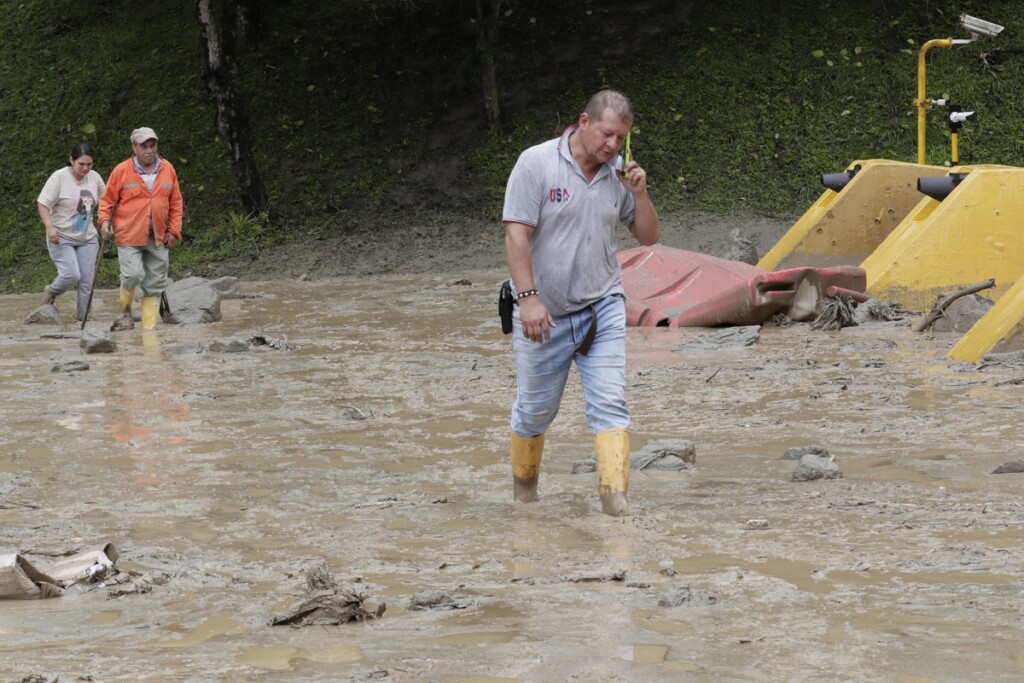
(536, 320)
(170, 240)
(634, 178)
(105, 230)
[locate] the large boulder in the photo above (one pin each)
(192, 301)
(228, 287)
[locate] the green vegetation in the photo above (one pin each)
(369, 114)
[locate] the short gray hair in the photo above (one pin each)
(610, 99)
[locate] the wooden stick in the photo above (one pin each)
(942, 305)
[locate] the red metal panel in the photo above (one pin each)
(678, 288)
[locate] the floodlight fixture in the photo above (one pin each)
(979, 27)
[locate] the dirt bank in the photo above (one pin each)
(459, 244)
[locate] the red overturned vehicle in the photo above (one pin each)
(667, 287)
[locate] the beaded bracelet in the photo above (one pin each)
(529, 292)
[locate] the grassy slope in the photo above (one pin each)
(366, 116)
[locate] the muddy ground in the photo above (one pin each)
(375, 443)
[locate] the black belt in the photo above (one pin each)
(584, 347)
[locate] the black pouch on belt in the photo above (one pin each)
(505, 301)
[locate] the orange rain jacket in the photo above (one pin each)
(133, 205)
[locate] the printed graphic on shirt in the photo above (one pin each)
(82, 219)
(558, 195)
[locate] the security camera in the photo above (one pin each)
(979, 27)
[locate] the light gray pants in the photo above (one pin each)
(146, 266)
(75, 263)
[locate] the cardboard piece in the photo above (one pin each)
(20, 580)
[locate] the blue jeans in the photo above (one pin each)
(543, 369)
(75, 263)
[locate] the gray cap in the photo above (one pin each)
(140, 135)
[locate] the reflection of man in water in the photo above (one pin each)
(82, 219)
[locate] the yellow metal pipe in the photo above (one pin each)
(954, 143)
(922, 102)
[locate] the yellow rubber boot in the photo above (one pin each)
(125, 320)
(126, 297)
(150, 312)
(526, 455)
(612, 470)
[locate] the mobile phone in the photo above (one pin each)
(627, 156)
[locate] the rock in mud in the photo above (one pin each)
(192, 301)
(188, 346)
(813, 467)
(679, 594)
(97, 343)
(232, 345)
(440, 600)
(46, 314)
(227, 287)
(798, 452)
(656, 456)
(961, 315)
(70, 366)
(1011, 467)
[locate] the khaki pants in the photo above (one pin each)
(144, 266)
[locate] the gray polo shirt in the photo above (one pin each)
(573, 244)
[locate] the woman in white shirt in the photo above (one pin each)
(67, 207)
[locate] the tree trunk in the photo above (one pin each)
(487, 46)
(232, 122)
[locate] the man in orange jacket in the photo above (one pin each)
(141, 207)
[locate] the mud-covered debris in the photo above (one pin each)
(1010, 467)
(327, 604)
(679, 594)
(413, 498)
(70, 366)
(813, 467)
(353, 414)
(121, 590)
(779, 320)
(259, 339)
(756, 524)
(582, 577)
(835, 313)
(375, 675)
(875, 309)
(38, 678)
(727, 338)
(440, 600)
(798, 452)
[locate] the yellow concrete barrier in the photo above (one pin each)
(844, 227)
(1005, 320)
(973, 234)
